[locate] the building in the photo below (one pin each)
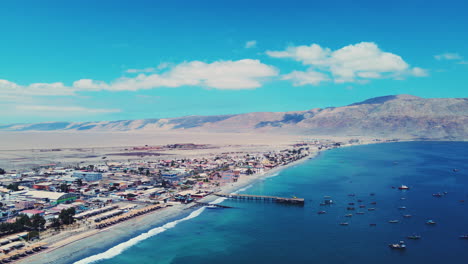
(32, 212)
(88, 176)
(51, 197)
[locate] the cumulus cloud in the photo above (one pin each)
(448, 56)
(353, 63)
(234, 75)
(300, 78)
(250, 44)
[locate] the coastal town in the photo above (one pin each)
(40, 205)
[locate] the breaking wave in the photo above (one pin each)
(118, 249)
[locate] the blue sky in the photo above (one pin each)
(114, 60)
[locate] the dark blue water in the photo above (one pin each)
(260, 232)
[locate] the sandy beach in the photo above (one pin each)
(76, 246)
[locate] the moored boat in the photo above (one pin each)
(430, 222)
(403, 187)
(414, 237)
(400, 245)
(394, 221)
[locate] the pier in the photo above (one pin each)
(275, 199)
(208, 204)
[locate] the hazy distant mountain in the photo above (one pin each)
(386, 116)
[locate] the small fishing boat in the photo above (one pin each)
(402, 208)
(344, 223)
(360, 213)
(372, 224)
(350, 208)
(463, 236)
(350, 203)
(362, 206)
(400, 245)
(403, 187)
(370, 209)
(438, 195)
(321, 212)
(351, 194)
(455, 170)
(373, 203)
(359, 201)
(414, 237)
(212, 206)
(407, 216)
(430, 222)
(402, 198)
(394, 221)
(349, 215)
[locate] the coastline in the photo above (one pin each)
(77, 247)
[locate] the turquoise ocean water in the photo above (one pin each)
(262, 232)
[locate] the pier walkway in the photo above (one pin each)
(262, 197)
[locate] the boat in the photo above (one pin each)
(351, 203)
(372, 224)
(438, 195)
(349, 215)
(400, 245)
(360, 213)
(370, 209)
(321, 212)
(212, 206)
(407, 216)
(344, 223)
(394, 221)
(359, 201)
(463, 236)
(373, 203)
(402, 208)
(455, 170)
(351, 194)
(430, 222)
(350, 208)
(403, 187)
(414, 237)
(362, 206)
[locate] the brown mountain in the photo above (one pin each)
(387, 116)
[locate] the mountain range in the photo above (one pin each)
(387, 116)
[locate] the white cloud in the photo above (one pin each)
(8, 88)
(353, 63)
(140, 70)
(309, 77)
(161, 66)
(234, 75)
(419, 72)
(448, 56)
(250, 44)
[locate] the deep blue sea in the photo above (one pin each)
(262, 232)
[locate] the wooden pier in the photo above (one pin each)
(208, 204)
(276, 199)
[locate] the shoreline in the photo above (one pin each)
(122, 232)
